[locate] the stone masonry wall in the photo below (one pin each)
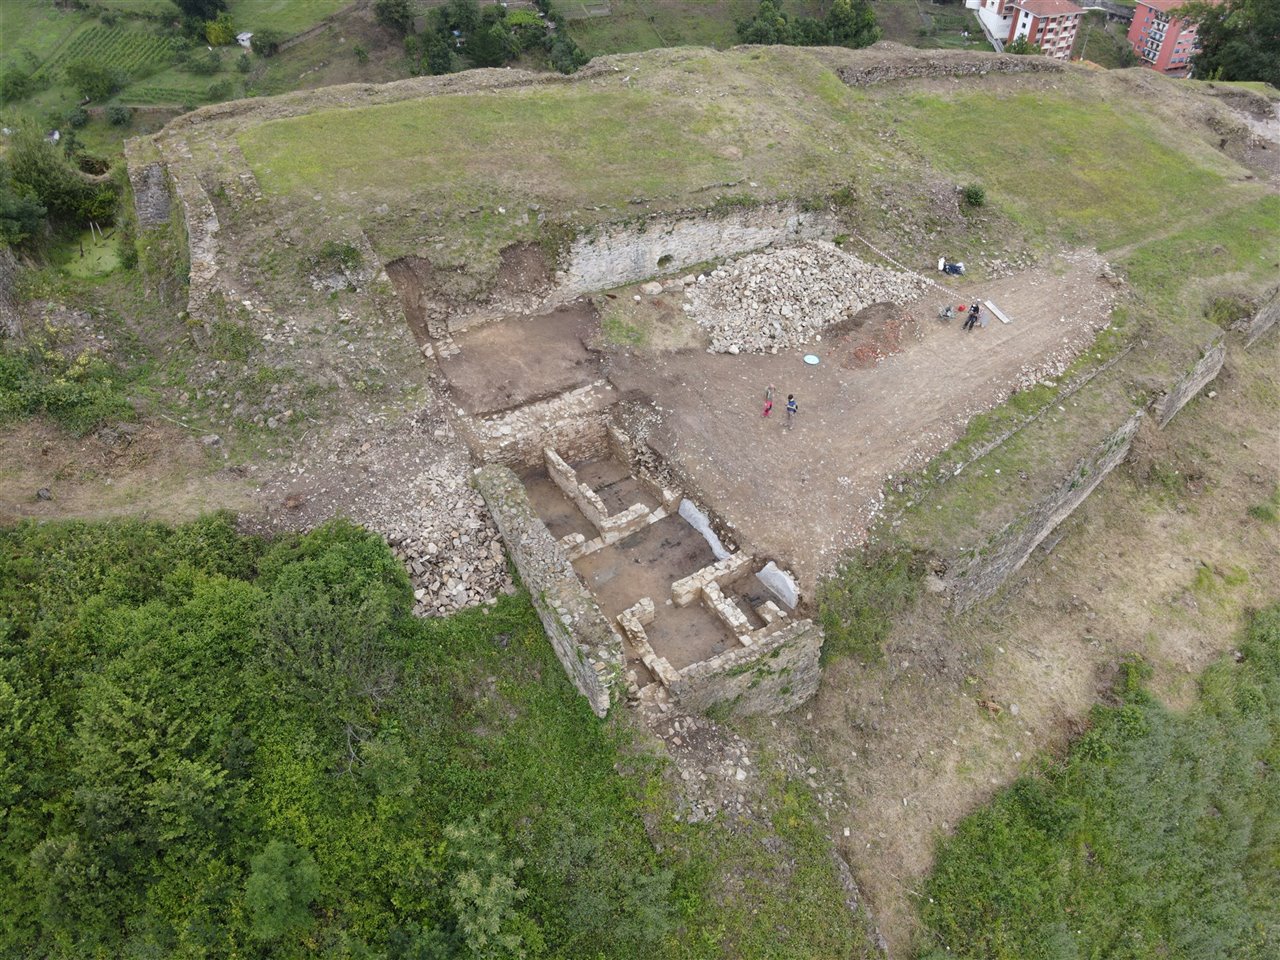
(777, 674)
(1262, 321)
(572, 423)
(886, 62)
(586, 645)
(616, 254)
(984, 572)
(1195, 379)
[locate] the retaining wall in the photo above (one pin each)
(586, 645)
(1261, 322)
(981, 574)
(778, 673)
(613, 255)
(10, 317)
(1191, 383)
(572, 423)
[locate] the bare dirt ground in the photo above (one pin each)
(807, 494)
(1159, 568)
(512, 362)
(149, 470)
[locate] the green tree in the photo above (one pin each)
(93, 80)
(41, 172)
(21, 216)
(200, 9)
(395, 15)
(267, 42)
(283, 880)
(1238, 39)
(852, 24)
(221, 30)
(492, 46)
(462, 15)
(768, 26)
(566, 55)
(15, 83)
(439, 58)
(1022, 46)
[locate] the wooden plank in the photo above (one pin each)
(998, 312)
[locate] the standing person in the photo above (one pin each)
(768, 400)
(975, 309)
(792, 409)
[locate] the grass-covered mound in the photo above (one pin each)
(1159, 836)
(216, 746)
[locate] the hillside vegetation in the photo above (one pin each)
(1158, 836)
(220, 746)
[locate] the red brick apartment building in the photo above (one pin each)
(1161, 41)
(1051, 25)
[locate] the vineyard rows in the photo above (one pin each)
(148, 96)
(128, 50)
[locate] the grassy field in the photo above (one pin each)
(1159, 836)
(31, 30)
(633, 25)
(1057, 161)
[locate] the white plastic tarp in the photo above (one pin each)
(780, 584)
(698, 520)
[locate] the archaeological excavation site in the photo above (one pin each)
(591, 365)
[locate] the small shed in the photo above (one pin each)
(245, 40)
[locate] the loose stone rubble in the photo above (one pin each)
(784, 298)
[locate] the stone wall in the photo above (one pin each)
(1191, 383)
(202, 227)
(980, 575)
(572, 423)
(778, 673)
(586, 645)
(886, 62)
(10, 317)
(1261, 322)
(150, 182)
(616, 254)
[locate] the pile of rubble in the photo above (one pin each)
(784, 298)
(451, 550)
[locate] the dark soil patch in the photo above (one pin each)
(516, 361)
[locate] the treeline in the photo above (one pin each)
(849, 23)
(214, 745)
(1158, 836)
(459, 34)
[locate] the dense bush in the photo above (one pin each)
(93, 80)
(40, 171)
(973, 196)
(1157, 837)
(849, 23)
(221, 30)
(267, 42)
(119, 115)
(21, 215)
(80, 393)
(217, 746)
(15, 83)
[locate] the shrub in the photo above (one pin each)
(974, 196)
(267, 42)
(20, 215)
(119, 115)
(439, 58)
(360, 53)
(93, 80)
(15, 83)
(395, 15)
(1022, 46)
(206, 64)
(566, 55)
(221, 30)
(79, 393)
(282, 883)
(243, 63)
(77, 117)
(39, 170)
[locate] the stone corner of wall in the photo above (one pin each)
(777, 674)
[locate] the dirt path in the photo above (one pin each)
(808, 494)
(1139, 571)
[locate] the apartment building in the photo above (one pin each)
(1052, 25)
(1163, 42)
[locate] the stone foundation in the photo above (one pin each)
(586, 645)
(573, 423)
(775, 674)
